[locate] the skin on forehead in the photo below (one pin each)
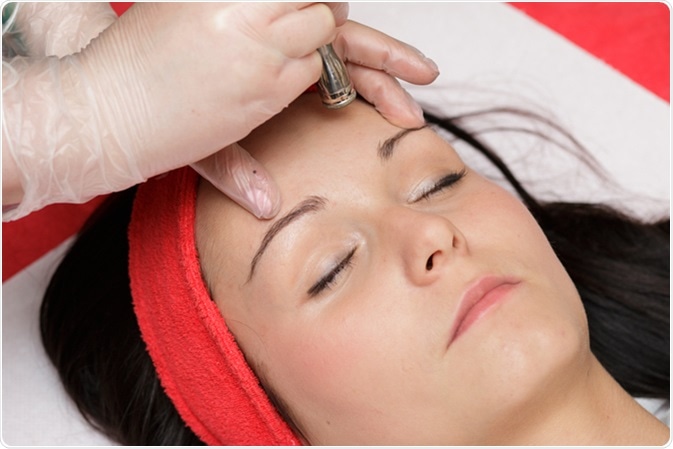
(367, 361)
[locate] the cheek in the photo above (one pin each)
(513, 232)
(319, 355)
(497, 222)
(314, 367)
(346, 361)
(521, 244)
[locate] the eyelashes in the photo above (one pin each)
(330, 279)
(327, 281)
(444, 183)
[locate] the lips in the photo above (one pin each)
(479, 298)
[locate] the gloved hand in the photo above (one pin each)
(374, 62)
(170, 84)
(165, 85)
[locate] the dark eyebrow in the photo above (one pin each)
(386, 148)
(311, 204)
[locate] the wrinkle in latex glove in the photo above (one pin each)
(54, 138)
(238, 175)
(60, 28)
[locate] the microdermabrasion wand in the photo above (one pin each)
(335, 87)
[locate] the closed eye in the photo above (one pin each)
(446, 182)
(330, 279)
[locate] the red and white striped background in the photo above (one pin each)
(625, 46)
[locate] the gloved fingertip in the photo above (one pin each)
(264, 200)
(405, 112)
(433, 66)
(243, 179)
(260, 191)
(264, 209)
(427, 62)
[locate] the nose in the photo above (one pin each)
(425, 242)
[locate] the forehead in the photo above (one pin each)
(307, 129)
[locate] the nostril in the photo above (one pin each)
(429, 263)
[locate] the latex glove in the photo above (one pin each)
(374, 62)
(164, 86)
(44, 29)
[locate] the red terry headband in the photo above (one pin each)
(198, 362)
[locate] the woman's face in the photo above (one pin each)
(351, 304)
